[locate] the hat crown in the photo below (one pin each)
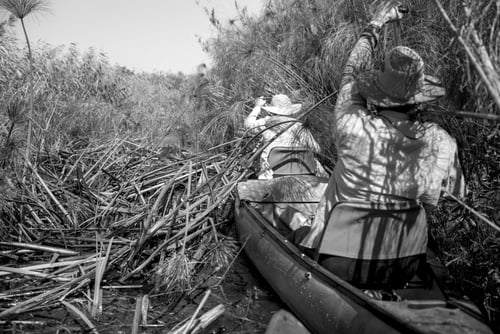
(405, 60)
(401, 81)
(281, 100)
(282, 105)
(402, 74)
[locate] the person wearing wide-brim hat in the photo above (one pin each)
(385, 158)
(279, 129)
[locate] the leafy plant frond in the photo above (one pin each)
(23, 8)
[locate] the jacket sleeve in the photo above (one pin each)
(454, 182)
(254, 124)
(350, 104)
(361, 57)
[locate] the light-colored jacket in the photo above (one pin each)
(294, 136)
(385, 157)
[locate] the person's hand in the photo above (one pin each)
(259, 102)
(387, 11)
(265, 165)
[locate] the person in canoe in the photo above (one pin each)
(289, 147)
(387, 160)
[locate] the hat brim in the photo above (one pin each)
(371, 91)
(284, 111)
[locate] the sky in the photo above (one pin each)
(143, 35)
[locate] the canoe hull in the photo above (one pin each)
(323, 302)
(302, 287)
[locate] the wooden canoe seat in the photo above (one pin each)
(291, 161)
(372, 230)
(375, 244)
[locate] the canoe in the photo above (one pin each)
(324, 303)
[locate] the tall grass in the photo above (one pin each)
(80, 96)
(21, 9)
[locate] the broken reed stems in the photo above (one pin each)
(80, 314)
(57, 292)
(195, 314)
(38, 247)
(167, 244)
(478, 56)
(101, 264)
(474, 212)
(187, 207)
(167, 186)
(49, 193)
(118, 208)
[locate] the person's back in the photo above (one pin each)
(386, 161)
(395, 160)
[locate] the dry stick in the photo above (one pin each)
(467, 114)
(198, 202)
(144, 310)
(99, 273)
(39, 247)
(159, 169)
(67, 264)
(52, 294)
(486, 61)
(43, 297)
(137, 314)
(107, 155)
(166, 244)
(485, 74)
(82, 316)
(138, 192)
(187, 207)
(232, 262)
(164, 190)
(74, 165)
(195, 314)
(51, 195)
(203, 321)
(35, 201)
(33, 214)
(26, 272)
(106, 211)
(162, 221)
(158, 185)
(476, 213)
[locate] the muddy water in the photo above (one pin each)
(248, 300)
(251, 300)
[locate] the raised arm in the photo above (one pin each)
(251, 122)
(361, 57)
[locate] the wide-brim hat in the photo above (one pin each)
(400, 82)
(282, 105)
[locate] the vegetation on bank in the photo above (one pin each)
(99, 131)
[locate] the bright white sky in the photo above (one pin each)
(145, 35)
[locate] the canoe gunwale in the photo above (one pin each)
(334, 282)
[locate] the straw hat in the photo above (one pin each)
(281, 105)
(400, 82)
